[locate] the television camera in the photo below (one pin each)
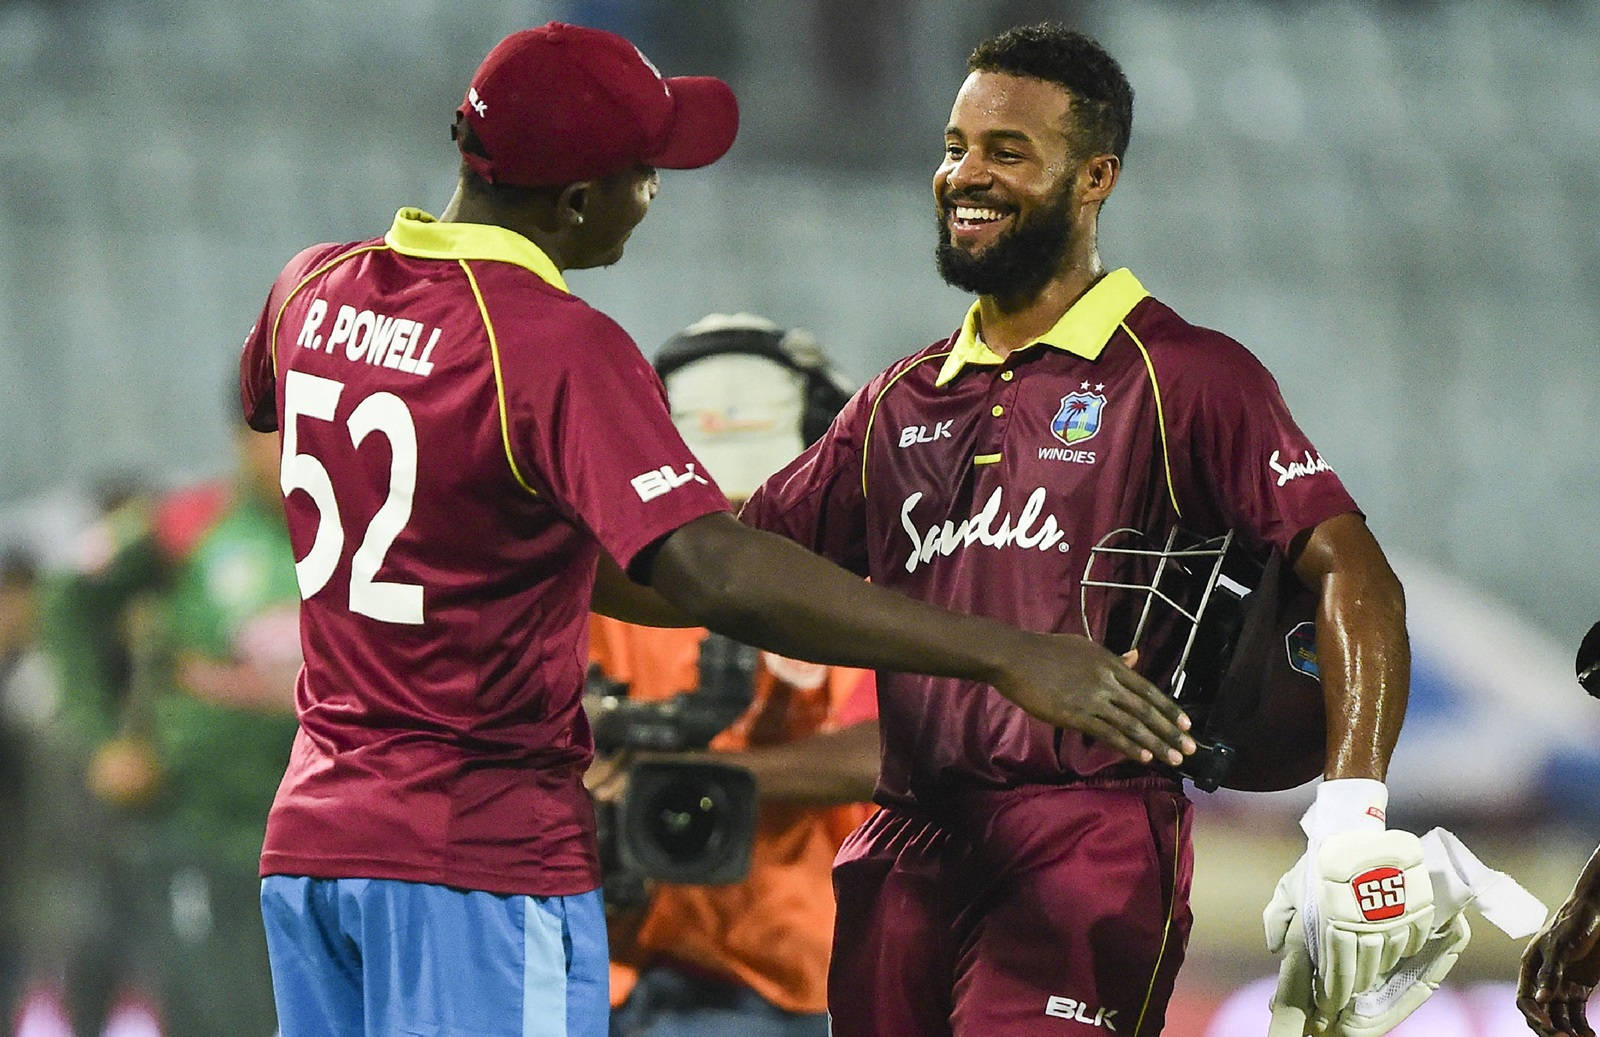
(683, 821)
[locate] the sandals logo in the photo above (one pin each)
(988, 527)
(1296, 469)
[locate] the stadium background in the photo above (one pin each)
(1395, 205)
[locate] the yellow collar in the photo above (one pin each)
(416, 233)
(1084, 329)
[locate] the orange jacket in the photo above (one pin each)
(772, 932)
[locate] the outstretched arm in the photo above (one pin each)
(763, 590)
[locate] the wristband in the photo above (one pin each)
(1346, 805)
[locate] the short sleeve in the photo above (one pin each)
(588, 414)
(817, 500)
(1263, 474)
(257, 380)
(257, 369)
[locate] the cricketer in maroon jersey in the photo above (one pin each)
(981, 482)
(519, 433)
(1022, 874)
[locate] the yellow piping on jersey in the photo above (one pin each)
(986, 458)
(867, 436)
(1161, 418)
(1166, 928)
(499, 383)
(318, 272)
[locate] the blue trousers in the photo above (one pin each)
(381, 958)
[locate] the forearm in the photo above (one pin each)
(617, 596)
(819, 770)
(1586, 891)
(1367, 676)
(1363, 651)
(763, 590)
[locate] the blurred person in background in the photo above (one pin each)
(28, 695)
(747, 959)
(28, 699)
(1020, 876)
(94, 903)
(201, 597)
(223, 724)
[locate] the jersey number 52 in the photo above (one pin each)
(312, 397)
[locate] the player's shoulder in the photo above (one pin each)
(309, 260)
(1182, 349)
(914, 368)
(934, 353)
(542, 332)
(517, 298)
(559, 316)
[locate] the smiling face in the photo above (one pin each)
(1006, 191)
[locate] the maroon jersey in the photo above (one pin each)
(461, 438)
(980, 484)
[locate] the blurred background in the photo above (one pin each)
(1395, 205)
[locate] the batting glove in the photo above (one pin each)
(1375, 1012)
(1459, 880)
(1371, 1013)
(1360, 894)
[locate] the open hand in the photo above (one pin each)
(1560, 970)
(1069, 681)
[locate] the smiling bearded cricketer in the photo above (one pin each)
(1021, 876)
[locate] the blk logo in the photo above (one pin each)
(913, 434)
(652, 484)
(1080, 1012)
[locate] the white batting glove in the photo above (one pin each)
(1292, 1013)
(1459, 880)
(1360, 894)
(1370, 1013)
(1375, 906)
(1375, 1012)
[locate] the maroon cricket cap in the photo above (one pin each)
(562, 103)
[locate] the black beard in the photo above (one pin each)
(1019, 262)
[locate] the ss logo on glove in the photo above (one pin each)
(1380, 893)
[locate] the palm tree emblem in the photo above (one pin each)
(1079, 417)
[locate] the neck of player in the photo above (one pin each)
(1010, 322)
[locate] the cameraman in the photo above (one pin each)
(749, 958)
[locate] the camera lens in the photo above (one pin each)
(682, 820)
(688, 822)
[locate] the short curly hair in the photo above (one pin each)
(1102, 98)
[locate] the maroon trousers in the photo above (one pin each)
(1039, 910)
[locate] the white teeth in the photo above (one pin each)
(967, 212)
